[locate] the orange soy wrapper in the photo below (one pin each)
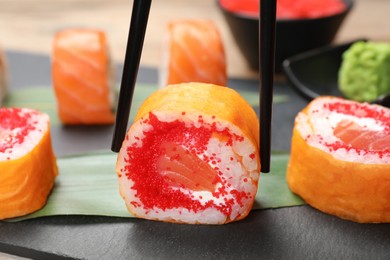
(340, 159)
(27, 162)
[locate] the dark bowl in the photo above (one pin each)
(292, 36)
(315, 73)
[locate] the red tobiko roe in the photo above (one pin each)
(355, 136)
(154, 189)
(11, 119)
(288, 9)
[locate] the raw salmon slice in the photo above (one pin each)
(191, 156)
(27, 163)
(361, 138)
(181, 168)
(340, 159)
(193, 52)
(83, 77)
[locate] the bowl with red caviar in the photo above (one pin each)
(301, 25)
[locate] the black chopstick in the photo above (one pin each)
(267, 28)
(139, 20)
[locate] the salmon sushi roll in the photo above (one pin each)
(191, 156)
(27, 162)
(3, 77)
(83, 77)
(193, 52)
(340, 159)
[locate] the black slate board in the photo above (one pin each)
(286, 233)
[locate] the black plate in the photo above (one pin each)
(315, 73)
(293, 36)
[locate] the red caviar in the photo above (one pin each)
(162, 149)
(14, 126)
(361, 110)
(359, 138)
(288, 9)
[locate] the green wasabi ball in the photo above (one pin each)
(365, 71)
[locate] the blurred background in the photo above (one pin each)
(29, 25)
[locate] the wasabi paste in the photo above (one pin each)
(365, 71)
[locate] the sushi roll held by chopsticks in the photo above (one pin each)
(27, 163)
(191, 156)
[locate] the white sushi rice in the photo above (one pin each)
(234, 172)
(39, 121)
(318, 125)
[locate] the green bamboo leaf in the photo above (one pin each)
(142, 91)
(43, 99)
(88, 185)
(40, 98)
(273, 190)
(252, 97)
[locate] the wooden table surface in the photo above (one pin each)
(29, 25)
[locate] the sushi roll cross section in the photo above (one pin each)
(27, 162)
(191, 156)
(340, 159)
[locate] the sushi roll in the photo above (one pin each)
(192, 52)
(3, 77)
(83, 77)
(191, 156)
(340, 159)
(27, 162)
